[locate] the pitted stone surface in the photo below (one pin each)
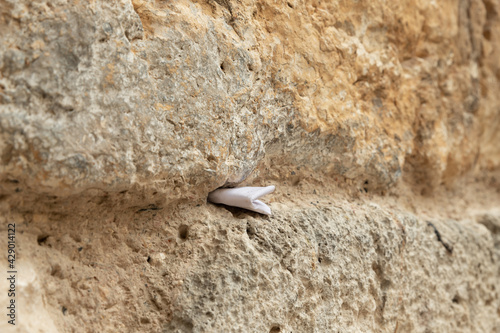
(378, 122)
(188, 96)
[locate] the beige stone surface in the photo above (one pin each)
(188, 96)
(379, 123)
(321, 263)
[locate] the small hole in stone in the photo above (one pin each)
(251, 231)
(149, 259)
(487, 34)
(56, 270)
(365, 188)
(42, 239)
(275, 329)
(455, 299)
(64, 310)
(183, 231)
(222, 66)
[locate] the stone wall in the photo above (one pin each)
(379, 123)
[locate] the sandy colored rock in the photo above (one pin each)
(190, 95)
(379, 123)
(314, 266)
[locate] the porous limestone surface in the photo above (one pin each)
(181, 97)
(314, 266)
(378, 122)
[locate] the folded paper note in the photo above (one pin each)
(243, 197)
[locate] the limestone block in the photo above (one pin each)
(184, 97)
(378, 122)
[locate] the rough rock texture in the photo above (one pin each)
(379, 123)
(317, 267)
(188, 96)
